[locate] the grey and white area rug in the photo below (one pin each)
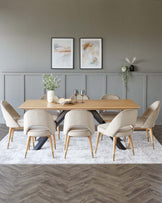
(79, 151)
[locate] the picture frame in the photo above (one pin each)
(91, 53)
(62, 53)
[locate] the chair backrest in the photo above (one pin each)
(110, 96)
(151, 115)
(126, 118)
(10, 115)
(76, 119)
(40, 119)
(79, 97)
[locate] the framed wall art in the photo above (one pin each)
(62, 53)
(91, 53)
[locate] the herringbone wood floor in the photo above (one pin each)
(80, 183)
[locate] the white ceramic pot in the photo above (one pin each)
(50, 95)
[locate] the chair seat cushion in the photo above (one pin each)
(125, 131)
(108, 116)
(38, 133)
(20, 122)
(79, 133)
(140, 122)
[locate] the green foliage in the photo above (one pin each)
(50, 82)
(124, 72)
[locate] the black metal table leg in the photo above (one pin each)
(99, 119)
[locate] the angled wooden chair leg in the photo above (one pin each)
(27, 146)
(66, 137)
(114, 147)
(101, 136)
(50, 140)
(54, 140)
(35, 138)
(58, 130)
(90, 143)
(9, 138)
(147, 132)
(67, 145)
(97, 141)
(33, 142)
(131, 143)
(12, 134)
(124, 139)
(152, 138)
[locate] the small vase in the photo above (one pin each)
(50, 95)
(131, 68)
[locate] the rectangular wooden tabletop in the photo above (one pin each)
(88, 104)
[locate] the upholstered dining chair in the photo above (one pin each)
(39, 123)
(54, 113)
(12, 118)
(79, 97)
(78, 123)
(122, 125)
(108, 115)
(148, 119)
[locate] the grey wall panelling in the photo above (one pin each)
(1, 94)
(154, 91)
(136, 90)
(61, 90)
(115, 86)
(33, 86)
(14, 90)
(96, 86)
(74, 82)
(143, 88)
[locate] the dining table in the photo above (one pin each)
(94, 106)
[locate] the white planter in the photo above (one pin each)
(50, 95)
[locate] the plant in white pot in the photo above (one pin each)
(50, 84)
(124, 72)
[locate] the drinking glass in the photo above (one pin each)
(82, 93)
(75, 93)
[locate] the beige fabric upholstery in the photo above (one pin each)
(121, 125)
(79, 119)
(78, 123)
(108, 116)
(12, 118)
(38, 120)
(148, 119)
(79, 97)
(79, 133)
(110, 96)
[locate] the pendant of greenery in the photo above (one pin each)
(124, 72)
(50, 82)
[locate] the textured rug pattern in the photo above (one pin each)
(79, 151)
